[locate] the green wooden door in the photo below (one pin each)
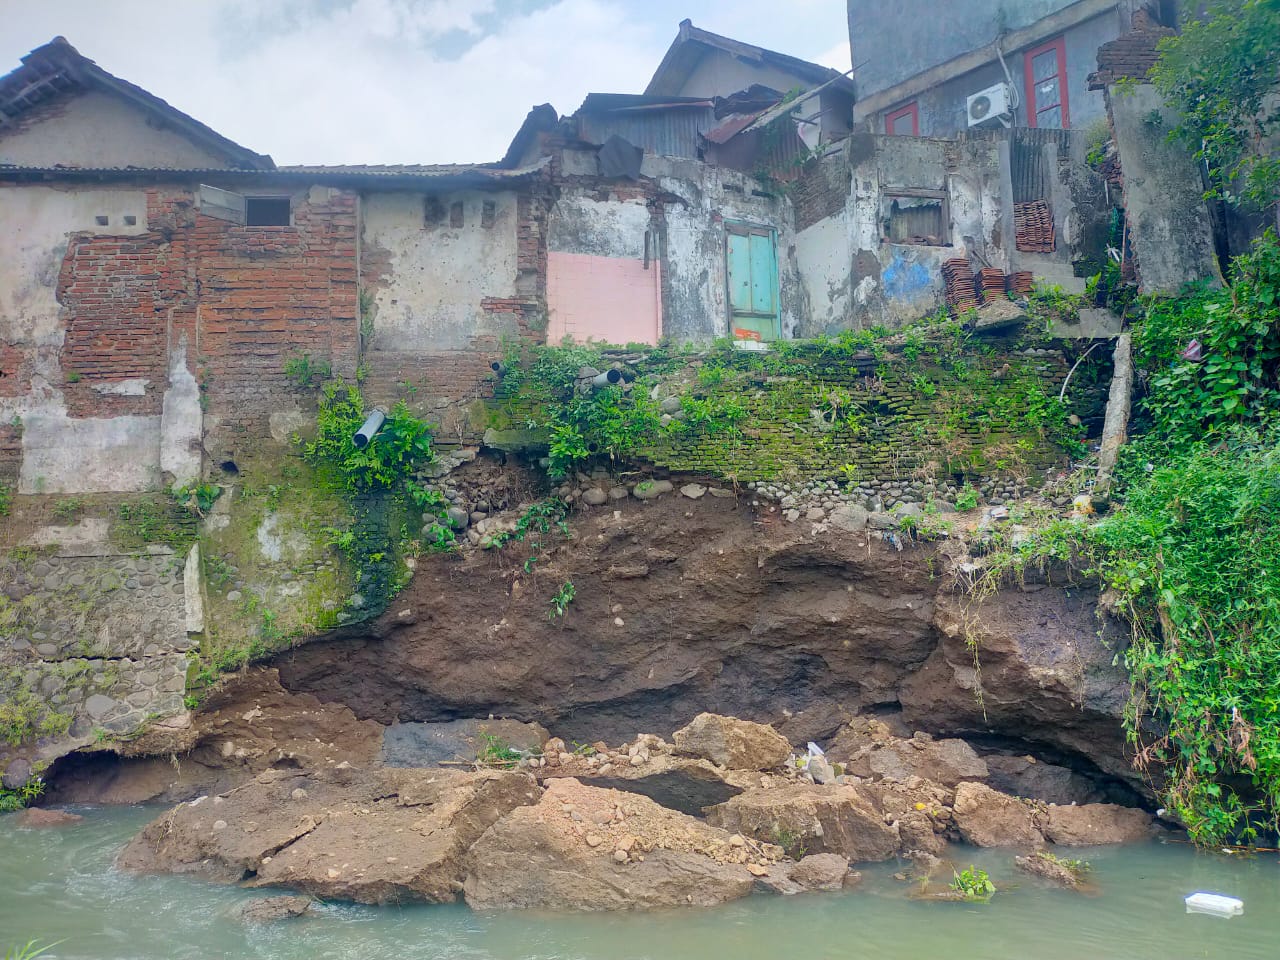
(752, 261)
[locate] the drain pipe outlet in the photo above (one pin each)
(369, 429)
(606, 379)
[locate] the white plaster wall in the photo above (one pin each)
(602, 228)
(100, 130)
(429, 298)
(64, 455)
(824, 257)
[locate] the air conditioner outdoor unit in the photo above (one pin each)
(993, 103)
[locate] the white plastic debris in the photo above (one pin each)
(1214, 904)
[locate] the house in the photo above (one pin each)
(156, 277)
(703, 64)
(983, 62)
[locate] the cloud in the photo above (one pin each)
(394, 81)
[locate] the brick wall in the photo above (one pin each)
(821, 190)
(10, 450)
(1131, 55)
(116, 324)
(266, 294)
(246, 299)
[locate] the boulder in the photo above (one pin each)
(808, 818)
(733, 743)
(849, 518)
(37, 817)
(820, 871)
(874, 753)
(273, 909)
(587, 848)
(649, 489)
(594, 497)
(374, 835)
(988, 818)
(1048, 868)
(1096, 823)
(1025, 776)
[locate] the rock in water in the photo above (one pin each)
(272, 909)
(1050, 869)
(1097, 823)
(35, 817)
(988, 818)
(820, 871)
(817, 819)
(649, 857)
(376, 835)
(733, 743)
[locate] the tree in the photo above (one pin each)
(1223, 72)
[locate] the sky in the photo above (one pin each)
(397, 81)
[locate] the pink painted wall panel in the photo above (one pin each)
(603, 298)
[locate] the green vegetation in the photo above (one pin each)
(402, 445)
(68, 509)
(23, 796)
(6, 499)
(496, 752)
(1192, 554)
(1075, 866)
(561, 600)
(307, 372)
(199, 498)
(28, 951)
(24, 716)
(804, 408)
(973, 884)
(1220, 72)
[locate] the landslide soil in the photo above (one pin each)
(684, 606)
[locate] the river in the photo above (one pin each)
(60, 884)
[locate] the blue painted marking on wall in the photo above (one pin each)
(904, 279)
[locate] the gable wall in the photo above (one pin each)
(94, 129)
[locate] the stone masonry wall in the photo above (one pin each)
(93, 642)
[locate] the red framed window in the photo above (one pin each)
(1047, 85)
(903, 122)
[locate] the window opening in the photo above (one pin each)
(903, 122)
(266, 211)
(1047, 86)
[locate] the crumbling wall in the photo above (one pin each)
(698, 199)
(127, 316)
(854, 276)
(1167, 219)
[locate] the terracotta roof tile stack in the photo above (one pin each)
(1021, 283)
(962, 294)
(990, 284)
(1033, 226)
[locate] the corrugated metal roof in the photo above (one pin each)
(669, 133)
(349, 173)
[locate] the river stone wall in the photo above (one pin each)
(94, 641)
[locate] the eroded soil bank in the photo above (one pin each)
(681, 606)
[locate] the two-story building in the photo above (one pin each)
(931, 69)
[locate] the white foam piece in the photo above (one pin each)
(1214, 904)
